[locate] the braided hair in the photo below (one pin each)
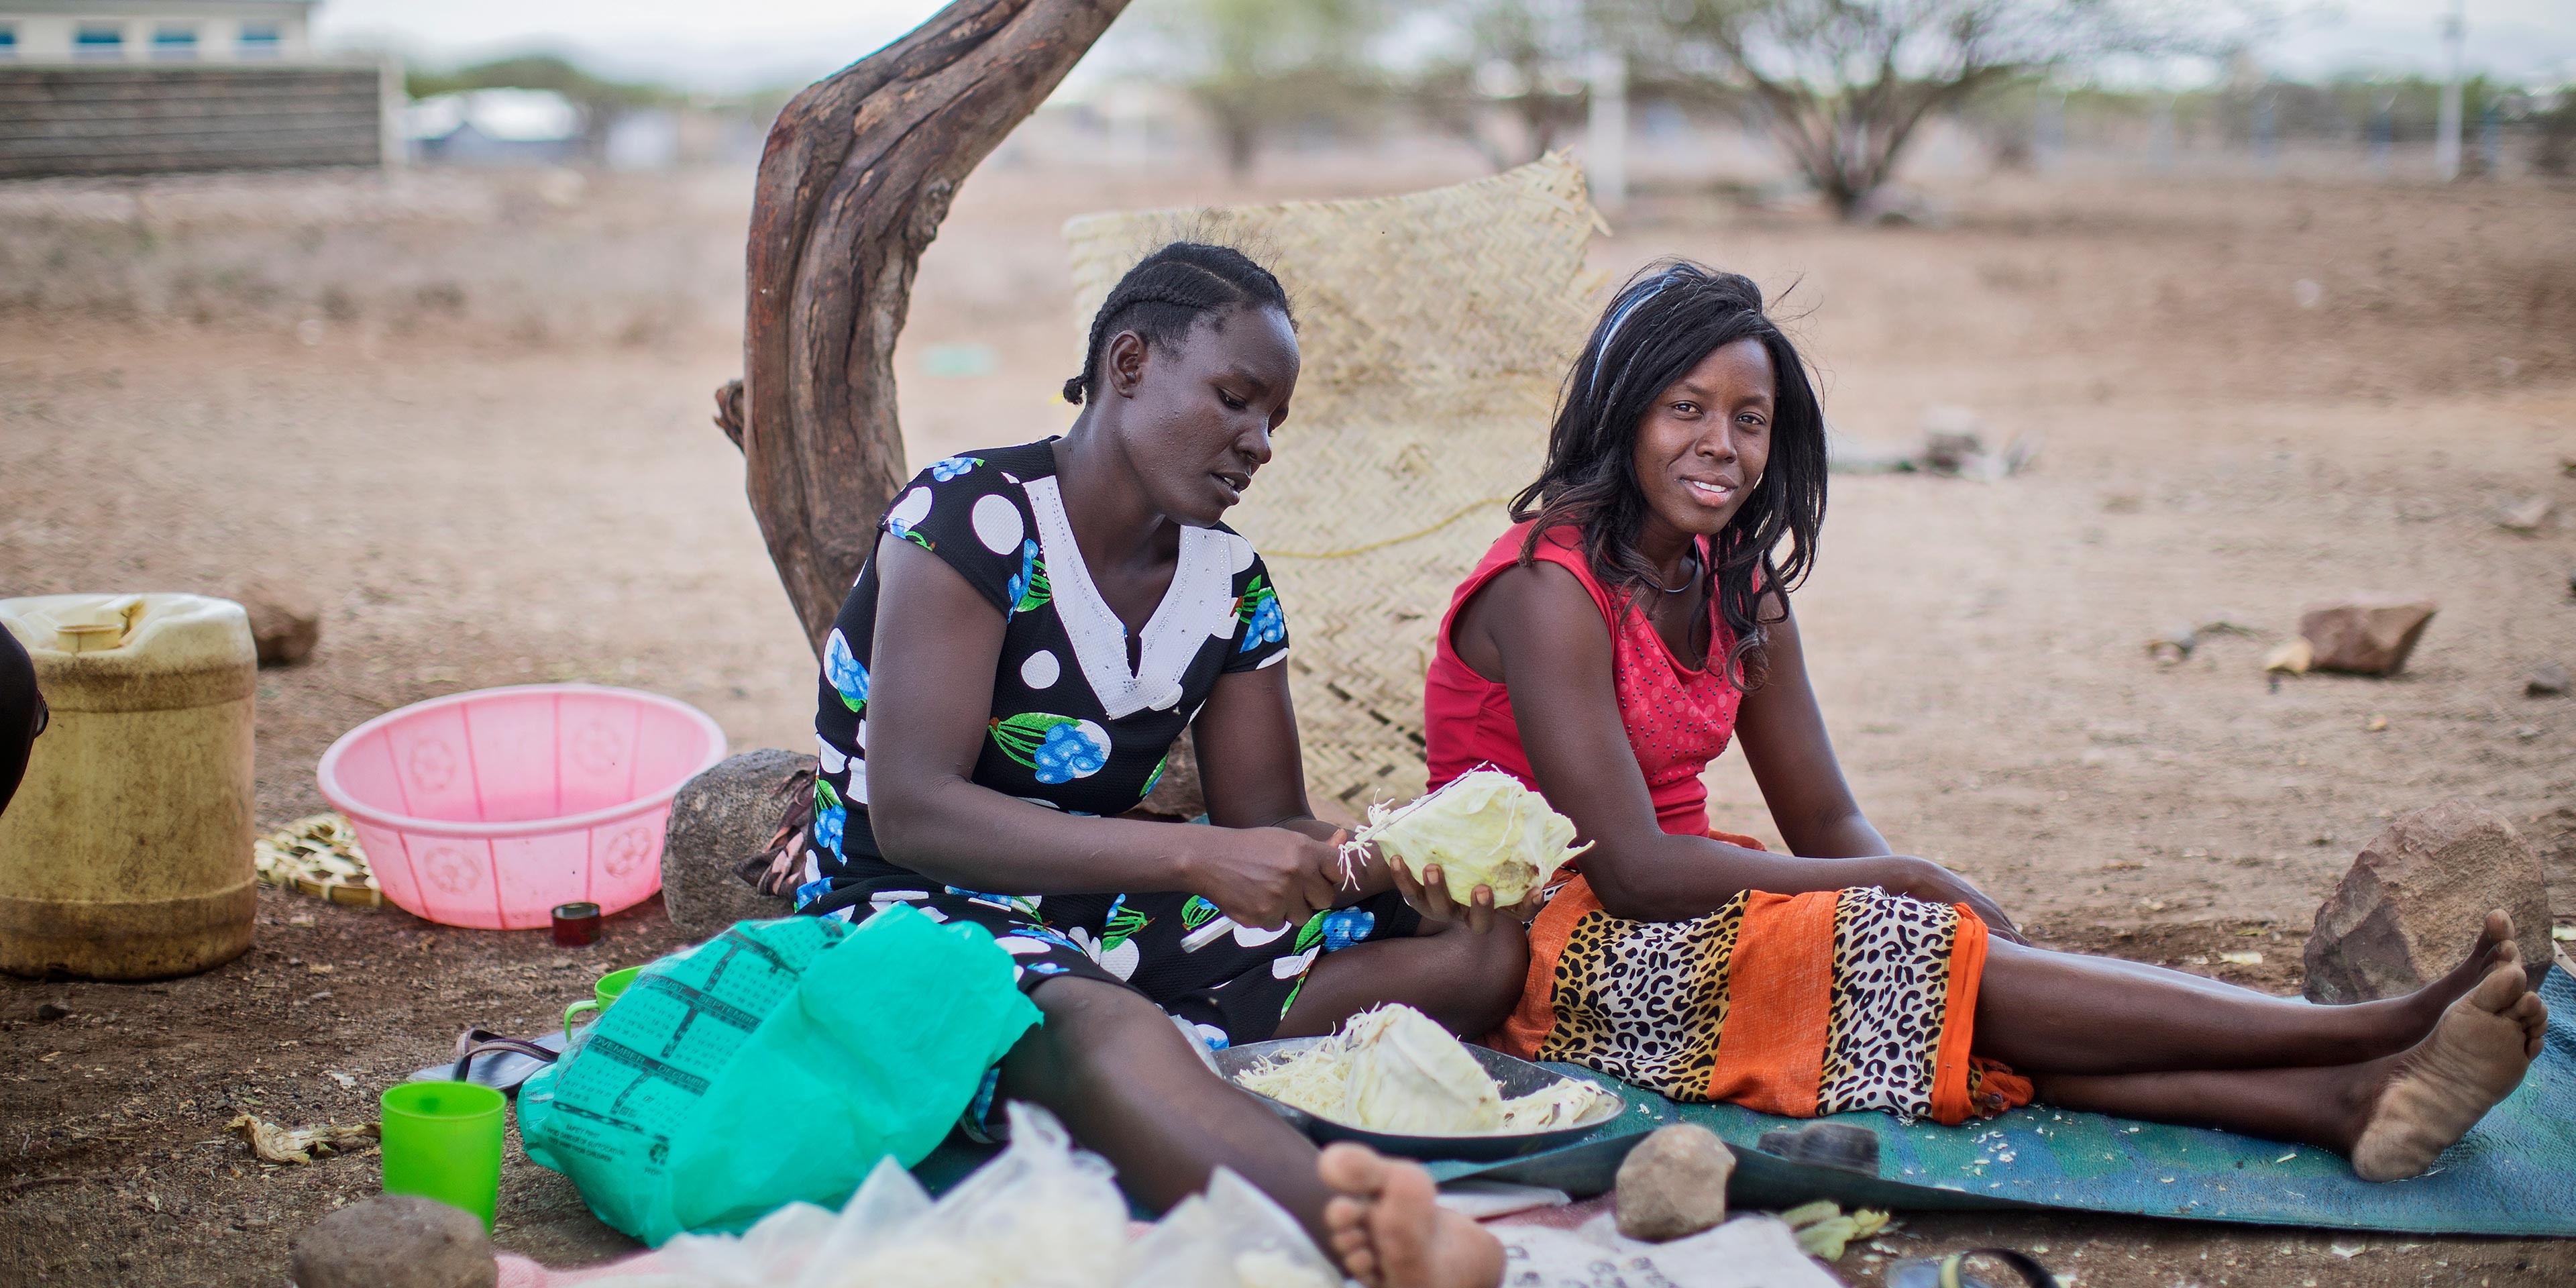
(1167, 292)
(1664, 322)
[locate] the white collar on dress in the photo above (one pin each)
(1199, 603)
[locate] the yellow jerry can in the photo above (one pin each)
(127, 851)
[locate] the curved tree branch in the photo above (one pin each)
(858, 173)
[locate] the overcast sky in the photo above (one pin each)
(730, 44)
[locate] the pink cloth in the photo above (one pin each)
(1679, 718)
(519, 1272)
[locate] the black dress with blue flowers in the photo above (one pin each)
(1074, 727)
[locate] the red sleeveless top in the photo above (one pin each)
(1678, 717)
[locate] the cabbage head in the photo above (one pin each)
(1408, 1075)
(1483, 828)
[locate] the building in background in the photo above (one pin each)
(156, 31)
(98, 87)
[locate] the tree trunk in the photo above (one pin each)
(857, 175)
(1240, 130)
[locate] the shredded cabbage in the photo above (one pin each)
(1394, 1069)
(1484, 829)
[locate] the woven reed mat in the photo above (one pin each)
(1434, 329)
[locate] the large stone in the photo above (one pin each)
(285, 621)
(2547, 680)
(1177, 794)
(395, 1241)
(1673, 1184)
(2365, 636)
(2412, 904)
(719, 819)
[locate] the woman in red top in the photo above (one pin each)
(1637, 619)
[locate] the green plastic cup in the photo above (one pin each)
(610, 987)
(442, 1140)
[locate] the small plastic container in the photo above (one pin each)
(442, 1140)
(487, 809)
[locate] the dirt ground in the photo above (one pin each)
(470, 413)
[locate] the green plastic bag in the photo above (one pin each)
(776, 1062)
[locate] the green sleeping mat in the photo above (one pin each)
(2514, 1175)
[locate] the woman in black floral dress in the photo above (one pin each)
(1036, 626)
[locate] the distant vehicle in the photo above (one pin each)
(495, 127)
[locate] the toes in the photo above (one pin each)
(1352, 1169)
(2531, 1013)
(1346, 1223)
(2503, 986)
(1346, 1219)
(2497, 930)
(1401, 1223)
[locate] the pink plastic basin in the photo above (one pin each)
(486, 809)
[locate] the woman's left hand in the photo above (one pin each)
(1929, 881)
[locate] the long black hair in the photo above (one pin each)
(1665, 321)
(1167, 292)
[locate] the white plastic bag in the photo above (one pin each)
(1231, 1237)
(1041, 1215)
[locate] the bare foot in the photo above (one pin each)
(2439, 1090)
(1389, 1231)
(2494, 946)
(2408, 1019)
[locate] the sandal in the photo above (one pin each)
(512, 1060)
(780, 865)
(1950, 1271)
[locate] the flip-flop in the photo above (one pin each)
(491, 1060)
(1951, 1272)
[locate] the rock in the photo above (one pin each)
(285, 621)
(719, 819)
(48, 1012)
(2413, 902)
(1673, 1184)
(2365, 636)
(2293, 657)
(2525, 516)
(1951, 453)
(395, 1241)
(2547, 680)
(2173, 646)
(1177, 795)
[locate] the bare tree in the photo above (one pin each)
(856, 178)
(1256, 65)
(1845, 84)
(1522, 59)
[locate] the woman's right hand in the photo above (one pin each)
(1264, 878)
(1929, 881)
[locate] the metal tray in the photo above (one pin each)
(1515, 1076)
